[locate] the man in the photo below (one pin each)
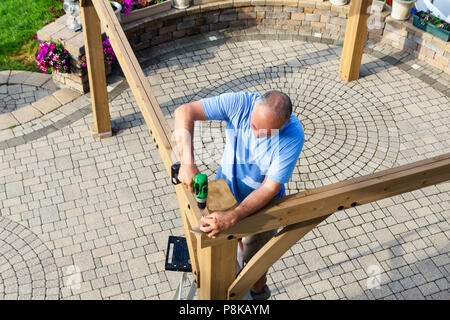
(263, 142)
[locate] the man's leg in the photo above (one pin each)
(249, 246)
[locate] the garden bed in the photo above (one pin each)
(146, 11)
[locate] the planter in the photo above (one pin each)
(339, 2)
(117, 7)
(431, 28)
(401, 9)
(146, 12)
(181, 4)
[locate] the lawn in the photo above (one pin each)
(20, 20)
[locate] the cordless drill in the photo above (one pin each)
(200, 185)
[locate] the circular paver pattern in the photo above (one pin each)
(27, 267)
(348, 131)
(14, 96)
(107, 206)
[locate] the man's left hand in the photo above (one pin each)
(217, 222)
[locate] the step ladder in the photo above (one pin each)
(177, 259)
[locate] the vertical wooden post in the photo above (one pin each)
(217, 270)
(355, 38)
(101, 128)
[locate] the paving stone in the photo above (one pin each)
(65, 95)
(26, 114)
(7, 120)
(14, 189)
(111, 198)
(46, 104)
(138, 267)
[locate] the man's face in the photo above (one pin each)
(264, 123)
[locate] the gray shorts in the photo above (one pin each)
(255, 242)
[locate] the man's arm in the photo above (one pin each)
(219, 221)
(185, 116)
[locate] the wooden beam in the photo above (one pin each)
(268, 255)
(326, 200)
(145, 99)
(214, 268)
(217, 270)
(101, 128)
(212, 281)
(355, 38)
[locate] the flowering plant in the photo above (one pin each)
(144, 4)
(52, 57)
(108, 53)
(127, 6)
(427, 17)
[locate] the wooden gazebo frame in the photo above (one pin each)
(214, 261)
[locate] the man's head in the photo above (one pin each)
(272, 111)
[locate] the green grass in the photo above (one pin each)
(19, 22)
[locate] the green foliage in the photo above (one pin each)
(19, 22)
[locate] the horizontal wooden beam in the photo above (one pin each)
(326, 200)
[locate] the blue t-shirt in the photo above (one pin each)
(247, 160)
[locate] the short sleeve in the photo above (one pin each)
(284, 162)
(223, 107)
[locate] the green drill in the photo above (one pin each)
(201, 189)
(200, 183)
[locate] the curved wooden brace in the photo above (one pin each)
(268, 255)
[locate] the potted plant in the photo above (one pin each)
(135, 10)
(401, 9)
(181, 4)
(432, 24)
(108, 54)
(52, 57)
(117, 7)
(339, 2)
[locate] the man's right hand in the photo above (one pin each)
(187, 174)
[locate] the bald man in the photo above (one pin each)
(263, 142)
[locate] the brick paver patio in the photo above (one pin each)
(90, 219)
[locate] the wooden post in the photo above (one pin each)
(101, 128)
(217, 270)
(355, 38)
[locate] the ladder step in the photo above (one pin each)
(177, 255)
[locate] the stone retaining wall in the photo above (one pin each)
(311, 18)
(423, 45)
(305, 17)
